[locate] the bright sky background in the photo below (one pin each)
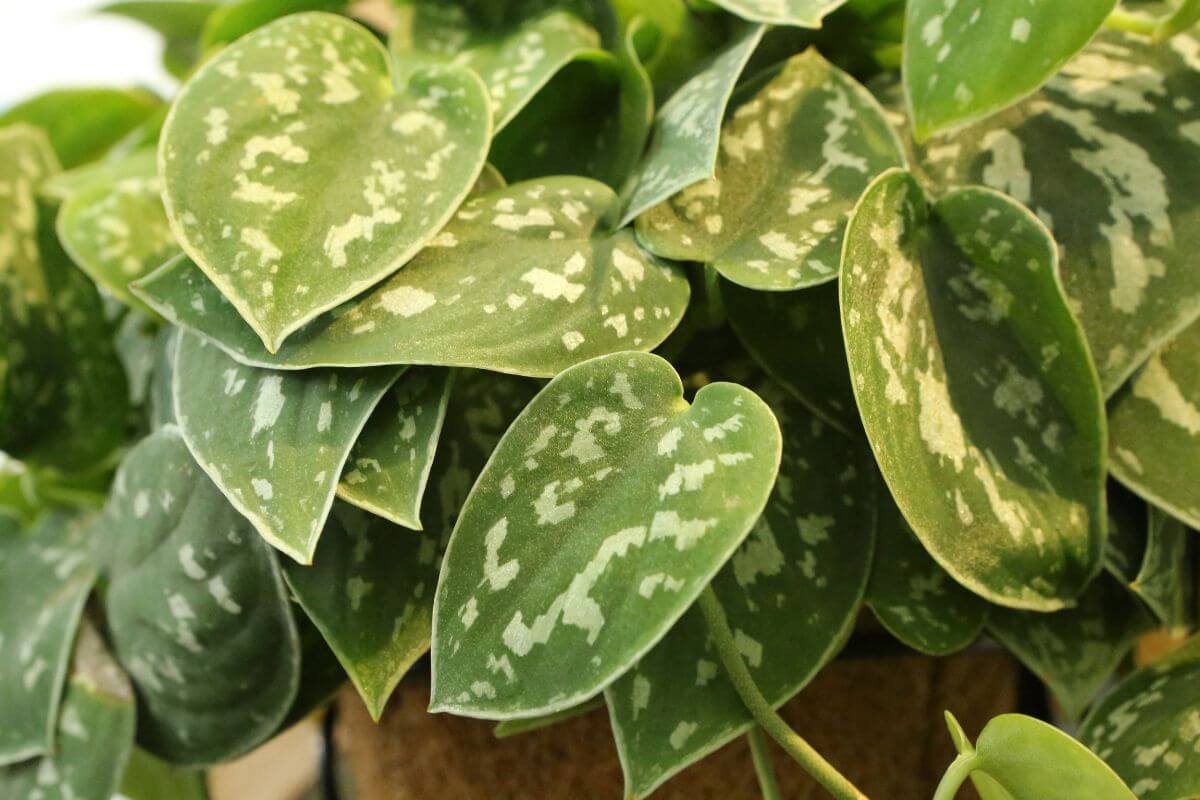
(47, 44)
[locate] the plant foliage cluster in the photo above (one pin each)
(610, 353)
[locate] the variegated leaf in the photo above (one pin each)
(644, 498)
(1154, 428)
(965, 61)
(1076, 650)
(791, 592)
(115, 228)
(514, 61)
(803, 13)
(195, 599)
(273, 442)
(45, 577)
(913, 597)
(253, 135)
(687, 129)
(524, 281)
(1148, 728)
(1109, 159)
(370, 587)
(94, 734)
(976, 389)
(794, 159)
(82, 124)
(390, 461)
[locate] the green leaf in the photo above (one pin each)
(1127, 533)
(390, 461)
(82, 124)
(963, 62)
(770, 324)
(516, 727)
(1148, 727)
(370, 587)
(234, 20)
(610, 458)
(45, 578)
(523, 281)
(137, 346)
(791, 592)
(252, 135)
(514, 61)
(1166, 580)
(179, 23)
(794, 159)
(148, 778)
(1074, 651)
(687, 129)
(94, 733)
(1109, 160)
(913, 597)
(161, 399)
(115, 229)
(976, 389)
(1154, 429)
(273, 442)
(802, 13)
(195, 600)
(321, 674)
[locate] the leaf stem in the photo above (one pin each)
(763, 768)
(956, 774)
(1131, 22)
(825, 773)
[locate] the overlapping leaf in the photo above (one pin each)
(82, 124)
(523, 281)
(804, 13)
(1166, 580)
(791, 592)
(274, 442)
(196, 607)
(976, 389)
(794, 159)
(260, 192)
(599, 518)
(1148, 727)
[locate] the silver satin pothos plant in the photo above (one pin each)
(603, 353)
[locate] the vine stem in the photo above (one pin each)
(813, 762)
(1131, 22)
(763, 767)
(956, 774)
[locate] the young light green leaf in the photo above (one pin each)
(370, 587)
(82, 124)
(797, 339)
(610, 458)
(45, 577)
(195, 598)
(94, 733)
(1154, 429)
(802, 13)
(248, 140)
(523, 281)
(913, 597)
(390, 461)
(1076, 650)
(1166, 580)
(794, 159)
(273, 442)
(965, 61)
(976, 389)
(791, 592)
(1148, 727)
(687, 129)
(1107, 157)
(115, 228)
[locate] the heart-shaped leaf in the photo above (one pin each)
(803, 13)
(1076, 650)
(370, 587)
(963, 62)
(82, 124)
(1154, 429)
(94, 733)
(794, 159)
(1149, 726)
(913, 597)
(273, 442)
(115, 228)
(687, 129)
(390, 461)
(523, 281)
(45, 578)
(791, 592)
(1112, 167)
(611, 459)
(253, 133)
(195, 600)
(976, 389)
